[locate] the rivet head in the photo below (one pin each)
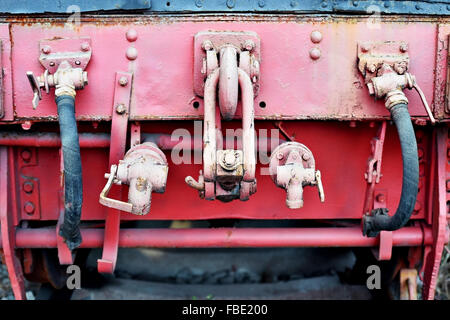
(199, 3)
(52, 64)
(261, 3)
(120, 109)
(404, 47)
(123, 81)
(131, 35)
(131, 53)
(77, 62)
(315, 53)
(85, 46)
(46, 49)
(316, 36)
(29, 208)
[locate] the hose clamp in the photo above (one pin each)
(394, 98)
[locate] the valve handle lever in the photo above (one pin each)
(425, 103)
(112, 203)
(320, 186)
(34, 83)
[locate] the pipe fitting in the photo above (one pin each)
(388, 82)
(292, 167)
(144, 168)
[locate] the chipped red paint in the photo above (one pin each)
(308, 71)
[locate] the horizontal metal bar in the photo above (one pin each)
(102, 140)
(52, 140)
(228, 237)
(372, 7)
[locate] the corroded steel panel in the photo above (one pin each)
(292, 84)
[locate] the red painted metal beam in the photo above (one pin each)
(102, 140)
(52, 140)
(229, 237)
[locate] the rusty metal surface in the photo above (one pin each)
(333, 74)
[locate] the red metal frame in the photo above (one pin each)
(116, 152)
(299, 79)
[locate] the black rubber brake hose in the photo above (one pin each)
(73, 184)
(379, 219)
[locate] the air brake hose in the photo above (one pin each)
(379, 219)
(73, 185)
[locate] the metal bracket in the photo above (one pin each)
(373, 173)
(77, 52)
(384, 66)
(29, 171)
(64, 61)
(120, 113)
(7, 233)
(372, 56)
(247, 45)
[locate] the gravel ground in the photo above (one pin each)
(5, 286)
(442, 290)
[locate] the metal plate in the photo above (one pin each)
(374, 7)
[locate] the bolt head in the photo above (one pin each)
(306, 156)
(315, 53)
(229, 158)
(280, 155)
(381, 198)
(404, 47)
(249, 45)
(123, 81)
(52, 64)
(417, 206)
(207, 45)
(26, 155)
(46, 49)
(77, 62)
(26, 125)
(372, 68)
(29, 208)
(365, 47)
(28, 186)
(85, 46)
(120, 109)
